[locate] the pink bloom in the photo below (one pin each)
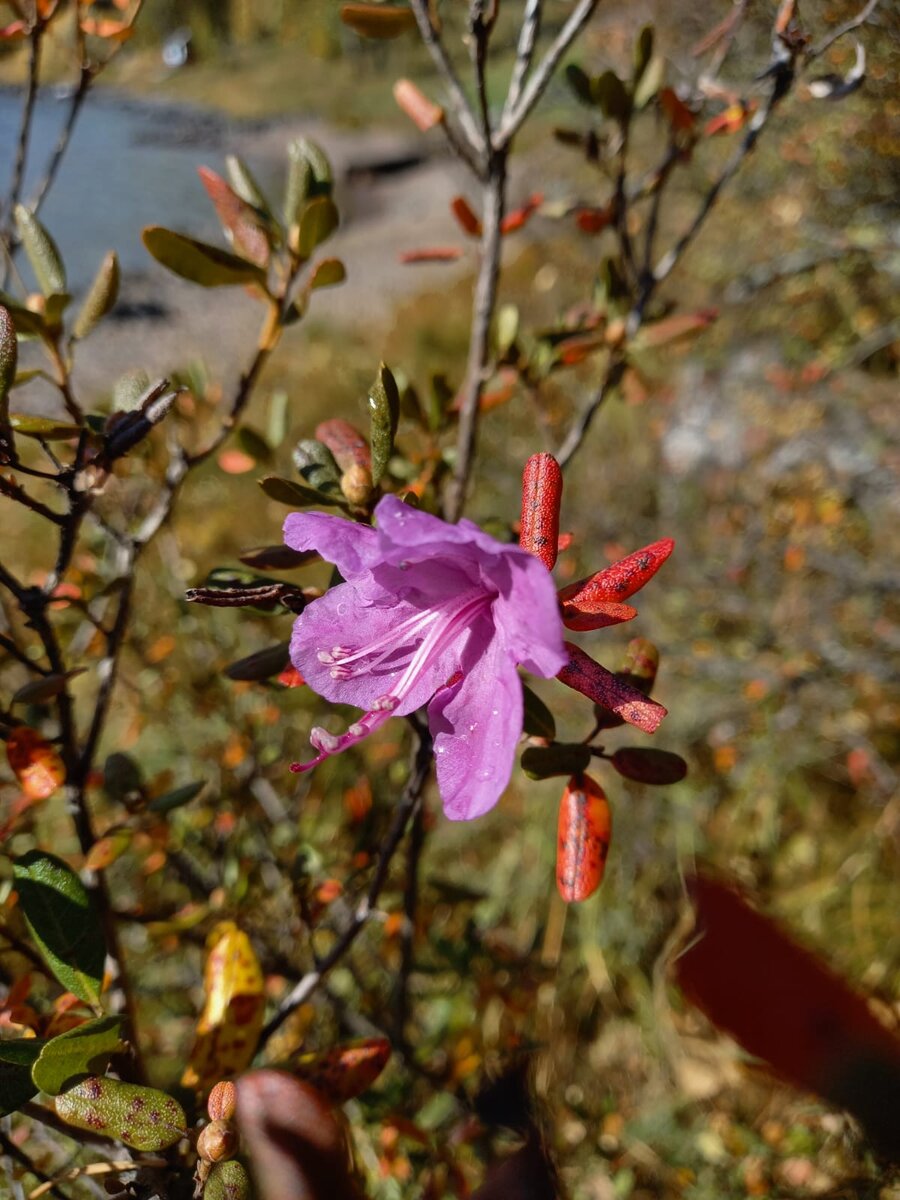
(434, 614)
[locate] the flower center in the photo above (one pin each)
(427, 634)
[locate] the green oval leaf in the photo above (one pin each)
(316, 465)
(198, 261)
(16, 1059)
(45, 688)
(228, 1181)
(9, 354)
(384, 414)
(80, 1051)
(42, 252)
(101, 297)
(63, 922)
(177, 797)
(261, 665)
(318, 221)
(295, 495)
(327, 273)
(538, 720)
(543, 762)
(45, 428)
(141, 1117)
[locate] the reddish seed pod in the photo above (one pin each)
(610, 691)
(346, 443)
(541, 495)
(222, 1101)
(585, 829)
(616, 582)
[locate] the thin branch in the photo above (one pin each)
(34, 70)
(573, 439)
(528, 35)
(85, 79)
(12, 649)
(408, 935)
(842, 30)
(478, 364)
(11, 1150)
(462, 109)
(543, 73)
(410, 802)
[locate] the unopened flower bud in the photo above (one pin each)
(217, 1141)
(356, 484)
(222, 1102)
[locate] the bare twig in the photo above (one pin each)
(574, 438)
(543, 73)
(85, 79)
(842, 30)
(409, 804)
(528, 34)
(459, 101)
(34, 70)
(478, 364)
(408, 934)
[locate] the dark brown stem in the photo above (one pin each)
(85, 79)
(410, 913)
(34, 70)
(410, 802)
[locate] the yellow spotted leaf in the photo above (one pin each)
(232, 1015)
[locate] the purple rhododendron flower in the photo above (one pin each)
(434, 614)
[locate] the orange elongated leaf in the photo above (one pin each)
(232, 1015)
(785, 1005)
(35, 762)
(679, 325)
(542, 485)
(423, 113)
(240, 221)
(616, 582)
(584, 675)
(435, 254)
(521, 216)
(584, 832)
(378, 21)
(345, 1071)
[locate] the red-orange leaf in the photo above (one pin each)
(604, 612)
(343, 1071)
(467, 219)
(378, 21)
(520, 216)
(423, 113)
(616, 582)
(584, 675)
(435, 254)
(584, 832)
(593, 220)
(35, 763)
(542, 485)
(238, 218)
(346, 443)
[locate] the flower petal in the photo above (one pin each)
(476, 726)
(407, 532)
(344, 617)
(526, 614)
(353, 548)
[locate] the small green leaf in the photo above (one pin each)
(244, 183)
(316, 466)
(384, 414)
(295, 495)
(580, 83)
(27, 323)
(308, 175)
(45, 688)
(129, 389)
(261, 665)
(318, 222)
(17, 1055)
(141, 1117)
(650, 82)
(198, 261)
(177, 797)
(327, 273)
(84, 1050)
(611, 94)
(101, 297)
(45, 428)
(228, 1181)
(643, 50)
(543, 762)
(42, 252)
(276, 426)
(254, 444)
(538, 720)
(62, 921)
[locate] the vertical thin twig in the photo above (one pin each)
(62, 142)
(528, 35)
(34, 69)
(410, 912)
(462, 109)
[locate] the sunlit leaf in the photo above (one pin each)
(245, 229)
(42, 252)
(45, 428)
(318, 221)
(81, 1051)
(378, 21)
(384, 414)
(35, 762)
(232, 1015)
(343, 1072)
(141, 1117)
(197, 261)
(45, 688)
(101, 297)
